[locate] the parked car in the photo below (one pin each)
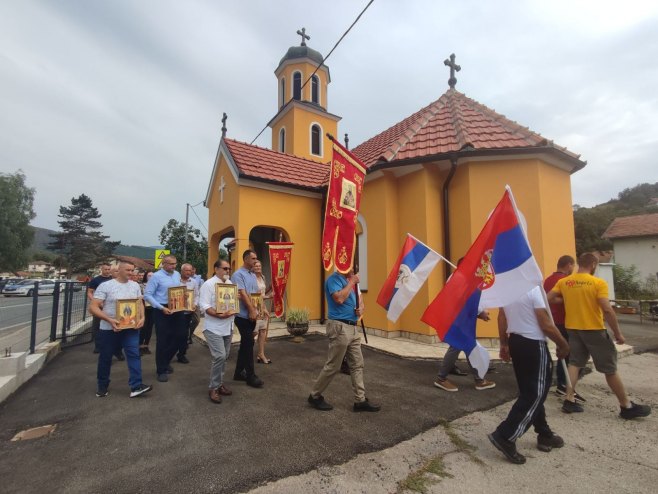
(25, 288)
(8, 281)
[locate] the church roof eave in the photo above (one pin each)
(573, 163)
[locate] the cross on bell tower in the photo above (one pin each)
(453, 68)
(304, 36)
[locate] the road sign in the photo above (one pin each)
(159, 255)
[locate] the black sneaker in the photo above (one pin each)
(633, 412)
(183, 359)
(163, 378)
(102, 392)
(169, 370)
(140, 390)
(579, 399)
(366, 406)
(255, 382)
(456, 371)
(546, 442)
(571, 407)
(561, 390)
(319, 403)
(508, 448)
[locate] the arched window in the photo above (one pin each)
(316, 140)
(282, 140)
(315, 89)
(297, 85)
(283, 92)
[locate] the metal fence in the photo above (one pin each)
(45, 313)
(647, 310)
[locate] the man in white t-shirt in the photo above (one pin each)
(218, 331)
(523, 327)
(110, 336)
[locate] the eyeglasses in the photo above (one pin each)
(226, 269)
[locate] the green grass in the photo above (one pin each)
(420, 480)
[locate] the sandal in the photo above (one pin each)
(263, 360)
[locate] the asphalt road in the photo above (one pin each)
(175, 440)
(16, 317)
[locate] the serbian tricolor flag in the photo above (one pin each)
(280, 257)
(415, 262)
(497, 270)
(342, 209)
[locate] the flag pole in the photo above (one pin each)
(541, 287)
(423, 244)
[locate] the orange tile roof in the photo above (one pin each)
(452, 123)
(271, 166)
(642, 225)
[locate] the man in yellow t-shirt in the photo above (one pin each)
(586, 304)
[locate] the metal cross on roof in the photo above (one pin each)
(304, 36)
(224, 117)
(453, 68)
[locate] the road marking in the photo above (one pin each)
(24, 305)
(26, 323)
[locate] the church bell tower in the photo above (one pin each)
(302, 121)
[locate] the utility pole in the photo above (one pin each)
(187, 214)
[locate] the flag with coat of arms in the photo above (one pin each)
(497, 270)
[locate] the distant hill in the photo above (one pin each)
(42, 239)
(135, 251)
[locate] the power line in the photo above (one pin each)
(197, 217)
(324, 60)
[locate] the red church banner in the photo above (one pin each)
(280, 255)
(342, 209)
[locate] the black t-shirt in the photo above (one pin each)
(93, 284)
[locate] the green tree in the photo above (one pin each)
(16, 212)
(627, 282)
(81, 242)
(172, 237)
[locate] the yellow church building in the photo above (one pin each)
(437, 175)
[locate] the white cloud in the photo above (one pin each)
(122, 100)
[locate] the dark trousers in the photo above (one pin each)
(183, 336)
(147, 330)
(95, 330)
(167, 331)
(246, 351)
(559, 370)
(533, 370)
(108, 341)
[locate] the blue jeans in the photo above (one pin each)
(219, 347)
(108, 342)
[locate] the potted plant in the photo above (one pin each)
(297, 323)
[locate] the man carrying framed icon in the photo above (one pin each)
(119, 329)
(218, 325)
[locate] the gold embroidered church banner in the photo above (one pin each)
(342, 209)
(280, 255)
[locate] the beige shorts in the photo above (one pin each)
(598, 344)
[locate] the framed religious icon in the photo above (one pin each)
(257, 302)
(176, 298)
(226, 298)
(189, 300)
(128, 313)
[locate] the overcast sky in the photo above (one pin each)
(122, 99)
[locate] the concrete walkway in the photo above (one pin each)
(603, 453)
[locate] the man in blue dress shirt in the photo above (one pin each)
(168, 324)
(246, 320)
